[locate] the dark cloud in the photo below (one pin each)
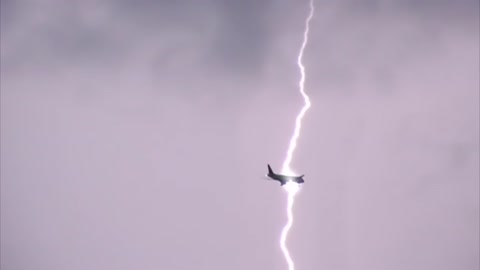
(243, 37)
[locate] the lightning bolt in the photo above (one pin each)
(292, 188)
(301, 84)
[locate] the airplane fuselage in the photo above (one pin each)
(283, 179)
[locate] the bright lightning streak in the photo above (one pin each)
(291, 187)
(301, 84)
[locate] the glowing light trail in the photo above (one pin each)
(301, 84)
(292, 188)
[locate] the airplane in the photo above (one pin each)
(283, 179)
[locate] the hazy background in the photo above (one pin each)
(135, 134)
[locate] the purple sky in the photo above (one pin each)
(135, 134)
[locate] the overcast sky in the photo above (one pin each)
(135, 134)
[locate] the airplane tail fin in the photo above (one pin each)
(270, 171)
